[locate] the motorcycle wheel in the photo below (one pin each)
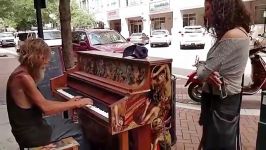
(194, 92)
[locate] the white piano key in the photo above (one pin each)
(65, 93)
(93, 108)
(98, 110)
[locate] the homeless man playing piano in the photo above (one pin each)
(26, 105)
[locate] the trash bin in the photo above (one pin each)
(261, 135)
(173, 111)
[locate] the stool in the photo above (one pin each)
(65, 144)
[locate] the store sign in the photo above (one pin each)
(159, 5)
(113, 14)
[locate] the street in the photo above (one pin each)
(183, 59)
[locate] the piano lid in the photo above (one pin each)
(150, 60)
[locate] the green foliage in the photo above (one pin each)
(80, 18)
(21, 14)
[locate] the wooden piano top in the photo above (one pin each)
(150, 60)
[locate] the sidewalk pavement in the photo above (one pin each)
(189, 132)
(187, 114)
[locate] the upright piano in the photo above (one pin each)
(131, 98)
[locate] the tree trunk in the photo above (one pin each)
(65, 19)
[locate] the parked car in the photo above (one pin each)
(262, 39)
(20, 37)
(139, 38)
(51, 37)
(7, 39)
(192, 37)
(160, 37)
(99, 39)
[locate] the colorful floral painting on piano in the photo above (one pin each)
(148, 108)
(127, 73)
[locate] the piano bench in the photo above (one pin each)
(65, 144)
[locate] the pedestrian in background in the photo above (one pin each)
(229, 22)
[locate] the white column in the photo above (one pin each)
(146, 25)
(124, 28)
(177, 21)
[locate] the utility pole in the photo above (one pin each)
(38, 5)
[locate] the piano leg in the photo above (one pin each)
(142, 137)
(123, 140)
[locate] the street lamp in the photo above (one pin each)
(264, 15)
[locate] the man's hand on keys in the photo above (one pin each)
(80, 102)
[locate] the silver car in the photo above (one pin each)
(139, 38)
(7, 39)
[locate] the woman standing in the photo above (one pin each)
(222, 73)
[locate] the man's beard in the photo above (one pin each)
(40, 75)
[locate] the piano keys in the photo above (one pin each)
(128, 95)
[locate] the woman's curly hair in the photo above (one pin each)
(228, 14)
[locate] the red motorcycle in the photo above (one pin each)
(195, 86)
(258, 76)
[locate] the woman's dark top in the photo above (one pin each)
(28, 126)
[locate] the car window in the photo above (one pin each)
(193, 30)
(6, 35)
(51, 35)
(159, 32)
(22, 36)
(136, 34)
(77, 37)
(106, 37)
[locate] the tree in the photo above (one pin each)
(6, 6)
(80, 17)
(65, 20)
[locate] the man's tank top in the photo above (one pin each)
(28, 126)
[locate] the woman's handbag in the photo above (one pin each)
(221, 127)
(222, 131)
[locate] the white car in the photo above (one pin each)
(160, 37)
(6, 39)
(51, 37)
(192, 37)
(139, 38)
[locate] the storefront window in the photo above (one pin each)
(189, 19)
(158, 23)
(259, 14)
(135, 26)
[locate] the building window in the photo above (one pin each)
(134, 2)
(189, 19)
(158, 23)
(259, 14)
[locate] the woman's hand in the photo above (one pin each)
(214, 80)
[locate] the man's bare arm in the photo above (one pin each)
(48, 106)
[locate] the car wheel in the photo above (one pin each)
(182, 47)
(151, 45)
(167, 44)
(170, 43)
